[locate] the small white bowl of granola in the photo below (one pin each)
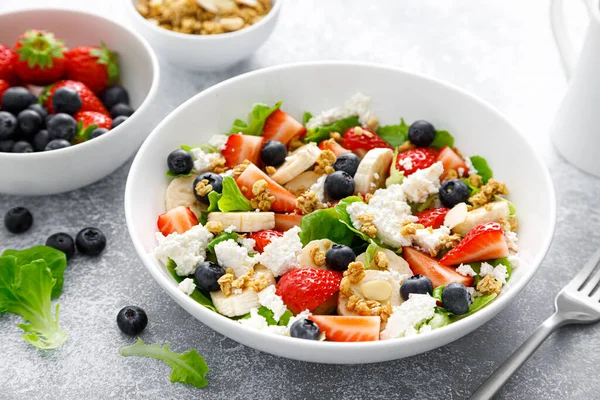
(204, 34)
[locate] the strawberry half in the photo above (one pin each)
(411, 161)
(41, 57)
(433, 218)
(3, 86)
(96, 67)
(361, 140)
(308, 288)
(440, 275)
(87, 121)
(8, 60)
(452, 160)
(242, 147)
(339, 328)
(282, 127)
(284, 222)
(284, 200)
(334, 146)
(484, 242)
(179, 219)
(263, 238)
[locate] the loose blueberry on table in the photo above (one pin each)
(132, 320)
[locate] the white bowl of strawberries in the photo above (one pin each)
(75, 90)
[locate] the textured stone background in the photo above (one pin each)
(501, 51)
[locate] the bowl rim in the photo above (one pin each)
(277, 4)
(45, 155)
(454, 330)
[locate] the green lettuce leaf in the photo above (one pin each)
(188, 368)
(213, 199)
(324, 224)
(306, 117)
(26, 290)
(370, 253)
(321, 133)
(472, 189)
(208, 148)
(344, 217)
(172, 175)
(199, 296)
(395, 135)
(442, 139)
(437, 293)
(232, 198)
(256, 121)
(512, 209)
(440, 319)
(223, 236)
(396, 177)
(269, 316)
(482, 168)
(418, 207)
(56, 260)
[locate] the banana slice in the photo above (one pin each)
(395, 262)
(373, 170)
(376, 285)
(249, 221)
(239, 304)
(306, 258)
(296, 163)
(302, 182)
(180, 193)
(491, 212)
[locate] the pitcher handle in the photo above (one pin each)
(561, 36)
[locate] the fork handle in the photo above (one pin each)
(499, 378)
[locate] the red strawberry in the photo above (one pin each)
(8, 60)
(360, 140)
(263, 238)
(96, 67)
(432, 218)
(440, 275)
(282, 127)
(334, 146)
(87, 121)
(339, 328)
(308, 288)
(89, 101)
(484, 242)
(452, 160)
(420, 158)
(242, 147)
(284, 200)
(283, 222)
(3, 86)
(41, 57)
(179, 219)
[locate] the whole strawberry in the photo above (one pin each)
(89, 101)
(309, 289)
(8, 59)
(96, 67)
(87, 121)
(41, 58)
(411, 161)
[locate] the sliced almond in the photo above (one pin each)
(232, 24)
(456, 216)
(376, 290)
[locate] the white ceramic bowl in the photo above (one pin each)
(77, 166)
(205, 52)
(477, 127)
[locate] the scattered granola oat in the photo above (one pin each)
(318, 256)
(270, 170)
(406, 146)
(475, 180)
(308, 202)
(214, 227)
(337, 137)
(489, 285)
(451, 174)
(295, 144)
(487, 193)
(325, 162)
(238, 169)
(203, 188)
(410, 229)
(380, 260)
(262, 199)
(217, 165)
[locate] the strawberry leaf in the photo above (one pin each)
(108, 58)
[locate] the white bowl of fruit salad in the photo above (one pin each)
(380, 226)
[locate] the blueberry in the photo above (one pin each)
(180, 162)
(6, 146)
(120, 109)
(416, 284)
(90, 241)
(16, 99)
(114, 95)
(48, 118)
(305, 329)
(57, 144)
(30, 122)
(214, 180)
(62, 126)
(18, 220)
(97, 132)
(207, 274)
(347, 162)
(132, 320)
(118, 121)
(40, 140)
(453, 192)
(22, 147)
(8, 124)
(273, 153)
(456, 298)
(66, 100)
(63, 242)
(338, 257)
(421, 133)
(40, 109)
(339, 184)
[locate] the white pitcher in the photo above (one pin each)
(576, 127)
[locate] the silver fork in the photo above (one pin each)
(576, 303)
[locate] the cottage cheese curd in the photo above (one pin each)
(268, 298)
(202, 160)
(187, 286)
(319, 188)
(407, 316)
(218, 141)
(429, 240)
(357, 105)
(230, 255)
(281, 255)
(187, 250)
(422, 183)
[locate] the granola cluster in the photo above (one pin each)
(487, 193)
(203, 17)
(325, 162)
(262, 199)
(354, 274)
(368, 227)
(308, 202)
(214, 227)
(410, 229)
(218, 165)
(369, 307)
(489, 285)
(230, 285)
(239, 169)
(203, 188)
(318, 256)
(380, 261)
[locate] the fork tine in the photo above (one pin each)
(585, 272)
(591, 283)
